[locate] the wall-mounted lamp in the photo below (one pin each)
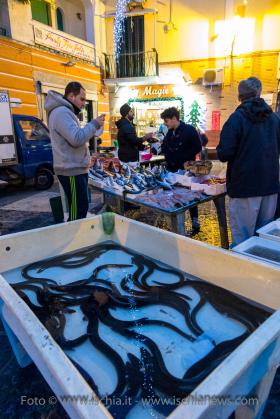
(79, 16)
(69, 64)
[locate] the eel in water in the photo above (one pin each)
(97, 297)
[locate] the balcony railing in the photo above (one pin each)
(62, 42)
(138, 64)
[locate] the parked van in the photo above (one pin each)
(25, 148)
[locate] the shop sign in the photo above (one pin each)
(216, 120)
(155, 91)
(57, 42)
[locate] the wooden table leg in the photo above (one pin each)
(114, 201)
(220, 205)
(120, 206)
(177, 222)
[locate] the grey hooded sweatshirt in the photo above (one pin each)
(69, 141)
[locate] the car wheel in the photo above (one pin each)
(44, 179)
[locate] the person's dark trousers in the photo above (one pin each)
(277, 212)
(194, 217)
(76, 191)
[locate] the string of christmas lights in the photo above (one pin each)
(121, 6)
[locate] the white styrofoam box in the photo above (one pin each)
(176, 178)
(248, 277)
(197, 187)
(100, 184)
(215, 189)
(266, 232)
(96, 183)
(259, 242)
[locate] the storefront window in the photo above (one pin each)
(147, 114)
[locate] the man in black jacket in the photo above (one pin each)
(181, 144)
(250, 144)
(129, 143)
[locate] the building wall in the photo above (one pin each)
(72, 24)
(243, 40)
(224, 98)
(209, 29)
(18, 13)
(4, 17)
(81, 28)
(19, 68)
(99, 29)
(194, 23)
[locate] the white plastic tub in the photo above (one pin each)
(249, 369)
(262, 249)
(214, 189)
(271, 231)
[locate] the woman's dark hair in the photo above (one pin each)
(170, 113)
(73, 87)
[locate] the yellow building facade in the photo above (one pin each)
(172, 45)
(235, 39)
(41, 58)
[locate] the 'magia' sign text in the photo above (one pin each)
(155, 91)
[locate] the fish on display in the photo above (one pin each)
(140, 181)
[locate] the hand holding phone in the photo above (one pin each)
(101, 119)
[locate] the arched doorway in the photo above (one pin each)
(59, 19)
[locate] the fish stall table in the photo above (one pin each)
(176, 216)
(130, 341)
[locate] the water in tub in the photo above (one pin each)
(144, 335)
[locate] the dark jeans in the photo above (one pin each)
(277, 212)
(76, 191)
(194, 216)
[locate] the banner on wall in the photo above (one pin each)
(51, 39)
(216, 120)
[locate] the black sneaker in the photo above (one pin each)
(195, 230)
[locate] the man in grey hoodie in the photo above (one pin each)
(71, 157)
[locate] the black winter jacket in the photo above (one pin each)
(250, 143)
(180, 145)
(129, 143)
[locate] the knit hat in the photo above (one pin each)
(125, 109)
(249, 88)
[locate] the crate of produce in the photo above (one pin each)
(199, 167)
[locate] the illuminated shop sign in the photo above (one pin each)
(155, 91)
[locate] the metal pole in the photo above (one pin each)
(155, 28)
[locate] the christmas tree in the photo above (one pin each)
(196, 117)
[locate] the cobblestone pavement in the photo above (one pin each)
(26, 209)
